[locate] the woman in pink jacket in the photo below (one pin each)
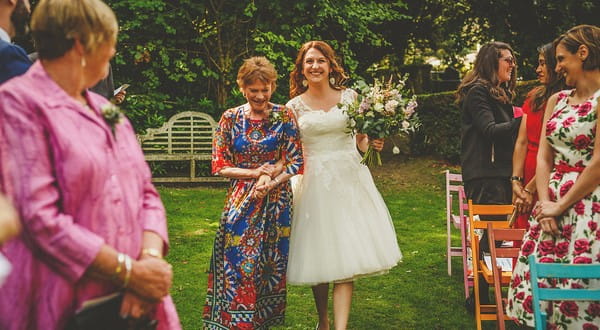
(93, 224)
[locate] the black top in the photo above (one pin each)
(489, 131)
(106, 86)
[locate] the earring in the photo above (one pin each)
(83, 62)
(332, 80)
(304, 83)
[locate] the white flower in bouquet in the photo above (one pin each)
(390, 106)
(381, 110)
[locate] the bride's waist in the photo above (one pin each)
(328, 153)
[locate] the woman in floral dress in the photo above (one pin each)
(247, 279)
(565, 226)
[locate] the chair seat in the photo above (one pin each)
(489, 275)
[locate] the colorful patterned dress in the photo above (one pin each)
(247, 279)
(571, 131)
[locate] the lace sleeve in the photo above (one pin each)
(296, 107)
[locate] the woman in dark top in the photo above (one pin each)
(488, 128)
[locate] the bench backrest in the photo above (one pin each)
(186, 132)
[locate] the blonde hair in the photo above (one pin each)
(257, 68)
(56, 24)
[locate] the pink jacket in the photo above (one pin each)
(76, 187)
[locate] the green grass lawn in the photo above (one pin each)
(417, 294)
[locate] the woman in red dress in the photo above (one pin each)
(526, 147)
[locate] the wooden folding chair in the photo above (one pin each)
(455, 191)
(485, 214)
(556, 270)
(500, 278)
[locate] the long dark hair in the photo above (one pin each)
(485, 71)
(555, 82)
(296, 76)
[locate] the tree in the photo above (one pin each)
(528, 24)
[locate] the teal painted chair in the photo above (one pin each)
(551, 270)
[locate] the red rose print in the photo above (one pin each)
(598, 235)
(584, 109)
(576, 286)
(596, 207)
(579, 208)
(598, 257)
(561, 249)
(551, 326)
(546, 247)
(582, 260)
(593, 225)
(589, 326)
(568, 122)
(593, 309)
(582, 141)
(527, 305)
(527, 248)
(534, 232)
(569, 309)
(546, 260)
(550, 127)
(551, 194)
(581, 246)
(520, 295)
(566, 187)
(566, 231)
(516, 281)
(557, 176)
(527, 276)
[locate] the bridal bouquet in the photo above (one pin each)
(381, 110)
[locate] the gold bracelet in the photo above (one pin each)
(128, 266)
(120, 261)
(153, 252)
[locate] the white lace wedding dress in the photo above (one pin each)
(341, 227)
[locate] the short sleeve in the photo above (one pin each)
(222, 156)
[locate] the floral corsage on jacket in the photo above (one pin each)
(112, 116)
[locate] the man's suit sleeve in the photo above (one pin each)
(13, 62)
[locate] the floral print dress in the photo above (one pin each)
(247, 277)
(571, 131)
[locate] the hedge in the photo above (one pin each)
(439, 133)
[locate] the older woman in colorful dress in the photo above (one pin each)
(256, 145)
(93, 224)
(564, 228)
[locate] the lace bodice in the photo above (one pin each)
(323, 133)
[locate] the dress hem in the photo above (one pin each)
(346, 279)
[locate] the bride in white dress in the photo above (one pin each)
(341, 228)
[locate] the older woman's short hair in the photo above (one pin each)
(56, 24)
(257, 68)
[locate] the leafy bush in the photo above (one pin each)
(440, 118)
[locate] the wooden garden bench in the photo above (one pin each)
(187, 136)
